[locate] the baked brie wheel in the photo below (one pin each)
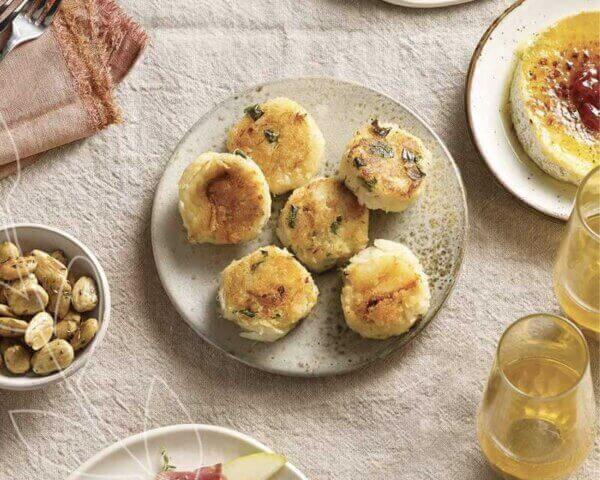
(266, 293)
(555, 98)
(323, 224)
(385, 290)
(385, 166)
(223, 199)
(283, 139)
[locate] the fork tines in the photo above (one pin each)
(42, 11)
(5, 5)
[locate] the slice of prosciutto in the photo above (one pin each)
(205, 473)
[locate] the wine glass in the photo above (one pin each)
(537, 417)
(577, 268)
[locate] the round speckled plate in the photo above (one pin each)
(434, 227)
(487, 103)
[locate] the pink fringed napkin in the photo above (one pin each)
(60, 87)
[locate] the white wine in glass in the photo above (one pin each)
(577, 268)
(537, 417)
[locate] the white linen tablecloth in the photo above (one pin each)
(409, 417)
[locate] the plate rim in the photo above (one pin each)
(411, 333)
(430, 4)
(467, 106)
(184, 427)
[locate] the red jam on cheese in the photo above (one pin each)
(584, 91)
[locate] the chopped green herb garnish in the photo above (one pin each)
(358, 162)
(293, 216)
(408, 156)
(414, 172)
(369, 184)
(239, 152)
(378, 129)
(335, 225)
(254, 111)
(271, 136)
(382, 149)
(412, 167)
(248, 313)
(166, 462)
(255, 265)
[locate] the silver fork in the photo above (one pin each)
(5, 6)
(30, 22)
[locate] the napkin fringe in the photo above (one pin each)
(124, 39)
(86, 64)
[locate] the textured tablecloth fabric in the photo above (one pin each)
(408, 417)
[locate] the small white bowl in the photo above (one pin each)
(32, 236)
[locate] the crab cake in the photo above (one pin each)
(385, 166)
(385, 290)
(283, 139)
(555, 98)
(223, 198)
(266, 293)
(323, 224)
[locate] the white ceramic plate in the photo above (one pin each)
(426, 3)
(188, 447)
(488, 81)
(434, 227)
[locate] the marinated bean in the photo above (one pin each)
(16, 268)
(17, 359)
(57, 355)
(39, 331)
(5, 311)
(60, 256)
(8, 251)
(5, 343)
(12, 327)
(85, 296)
(27, 298)
(51, 273)
(59, 302)
(72, 316)
(87, 331)
(66, 329)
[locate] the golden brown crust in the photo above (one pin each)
(235, 205)
(267, 289)
(284, 141)
(266, 283)
(384, 166)
(385, 290)
(381, 162)
(223, 199)
(380, 306)
(323, 223)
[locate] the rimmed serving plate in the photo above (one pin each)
(426, 3)
(188, 446)
(486, 99)
(434, 227)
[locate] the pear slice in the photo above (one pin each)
(258, 466)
